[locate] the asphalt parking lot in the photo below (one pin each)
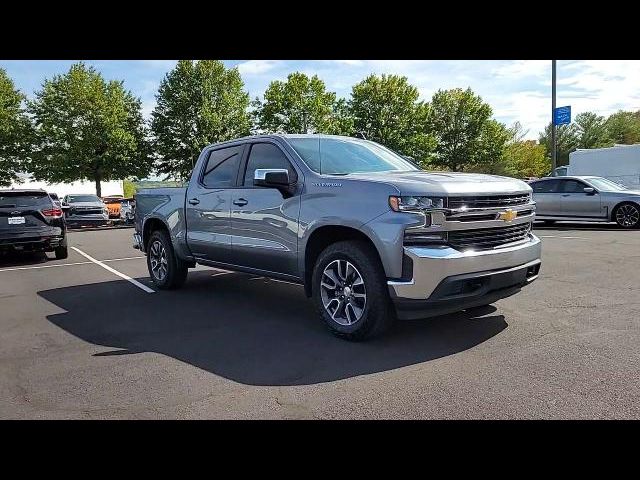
(79, 340)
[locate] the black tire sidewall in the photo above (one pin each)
(615, 213)
(377, 306)
(176, 271)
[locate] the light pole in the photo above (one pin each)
(554, 153)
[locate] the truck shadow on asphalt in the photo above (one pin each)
(252, 331)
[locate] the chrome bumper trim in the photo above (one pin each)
(429, 269)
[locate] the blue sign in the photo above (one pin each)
(562, 115)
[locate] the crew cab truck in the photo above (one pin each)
(370, 236)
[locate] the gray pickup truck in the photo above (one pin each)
(370, 236)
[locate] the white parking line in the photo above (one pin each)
(35, 267)
(115, 272)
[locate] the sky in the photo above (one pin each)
(517, 90)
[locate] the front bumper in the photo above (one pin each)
(89, 220)
(445, 280)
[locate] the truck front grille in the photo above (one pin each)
(489, 201)
(485, 238)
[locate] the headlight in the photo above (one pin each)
(415, 204)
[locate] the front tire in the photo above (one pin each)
(350, 292)
(627, 215)
(61, 252)
(165, 269)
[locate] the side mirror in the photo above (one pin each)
(64, 204)
(589, 190)
(271, 177)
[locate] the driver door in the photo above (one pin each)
(576, 203)
(264, 220)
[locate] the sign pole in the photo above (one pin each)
(554, 153)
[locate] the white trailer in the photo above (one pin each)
(114, 187)
(620, 164)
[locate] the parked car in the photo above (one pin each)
(85, 210)
(369, 235)
(127, 209)
(29, 221)
(113, 204)
(586, 198)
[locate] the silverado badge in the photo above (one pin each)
(508, 215)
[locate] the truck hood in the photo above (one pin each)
(446, 183)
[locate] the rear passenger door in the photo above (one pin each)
(208, 205)
(264, 221)
(547, 197)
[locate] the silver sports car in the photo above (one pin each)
(593, 199)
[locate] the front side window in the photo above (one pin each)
(342, 156)
(266, 155)
(222, 167)
(573, 186)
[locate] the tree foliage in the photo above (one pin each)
(386, 109)
(87, 129)
(567, 140)
(299, 105)
(15, 131)
(592, 131)
(466, 135)
(624, 127)
(198, 103)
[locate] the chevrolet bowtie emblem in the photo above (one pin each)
(508, 215)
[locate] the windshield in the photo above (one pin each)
(342, 156)
(83, 198)
(605, 185)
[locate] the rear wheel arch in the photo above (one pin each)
(324, 236)
(151, 225)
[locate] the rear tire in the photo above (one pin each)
(61, 252)
(356, 305)
(627, 215)
(166, 270)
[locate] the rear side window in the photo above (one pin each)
(545, 186)
(222, 167)
(266, 155)
(24, 199)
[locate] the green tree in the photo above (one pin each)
(198, 103)
(87, 129)
(624, 127)
(299, 105)
(466, 135)
(592, 131)
(386, 109)
(567, 139)
(15, 131)
(129, 188)
(525, 158)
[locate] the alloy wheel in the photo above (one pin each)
(343, 292)
(627, 215)
(158, 257)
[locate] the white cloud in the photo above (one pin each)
(257, 67)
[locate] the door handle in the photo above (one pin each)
(565, 195)
(241, 202)
(194, 201)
